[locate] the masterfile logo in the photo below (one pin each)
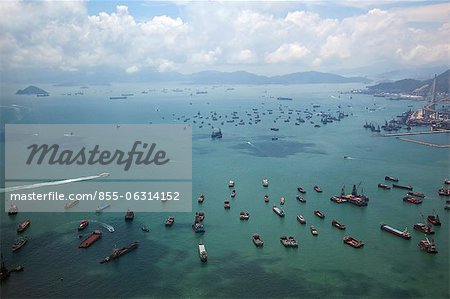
(76, 168)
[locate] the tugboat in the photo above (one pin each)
(83, 224)
(244, 215)
(265, 182)
(434, 219)
(402, 187)
(314, 231)
(198, 227)
(444, 192)
(317, 189)
(427, 245)
(201, 198)
(116, 252)
(202, 252)
(257, 240)
(389, 178)
(169, 221)
(338, 225)
(231, 184)
(301, 190)
(18, 243)
(319, 214)
(13, 210)
(282, 200)
(226, 204)
(301, 219)
(23, 226)
(278, 211)
(288, 241)
(353, 242)
(402, 234)
(412, 200)
(233, 193)
(384, 186)
(300, 198)
(266, 198)
(129, 216)
(424, 228)
(94, 237)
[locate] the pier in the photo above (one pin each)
(425, 143)
(414, 133)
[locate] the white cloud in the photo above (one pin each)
(287, 53)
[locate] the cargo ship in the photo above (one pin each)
(427, 245)
(278, 211)
(402, 234)
(94, 237)
(353, 242)
(116, 253)
(402, 187)
(257, 240)
(23, 225)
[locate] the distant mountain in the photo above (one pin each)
(32, 90)
(315, 77)
(413, 86)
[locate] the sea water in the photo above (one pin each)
(166, 264)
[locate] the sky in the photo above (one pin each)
(267, 38)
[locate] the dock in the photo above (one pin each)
(413, 133)
(424, 143)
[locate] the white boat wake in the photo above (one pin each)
(54, 183)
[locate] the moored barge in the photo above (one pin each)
(94, 237)
(402, 234)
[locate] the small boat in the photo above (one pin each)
(282, 200)
(145, 228)
(447, 181)
(94, 237)
(301, 219)
(199, 216)
(101, 208)
(447, 207)
(402, 234)
(265, 182)
(427, 245)
(116, 252)
(226, 204)
(337, 224)
(317, 189)
(301, 190)
(202, 252)
(13, 210)
(108, 227)
(19, 243)
(278, 211)
(338, 199)
(198, 227)
(266, 198)
(434, 219)
(83, 224)
(412, 200)
(233, 193)
(300, 198)
(416, 194)
(424, 228)
(71, 204)
(402, 187)
(444, 192)
(201, 198)
(319, 214)
(288, 241)
(169, 221)
(389, 178)
(231, 184)
(244, 215)
(23, 225)
(313, 230)
(384, 186)
(257, 240)
(353, 242)
(129, 215)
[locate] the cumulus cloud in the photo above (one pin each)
(287, 53)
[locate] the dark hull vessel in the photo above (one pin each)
(424, 228)
(94, 237)
(402, 187)
(120, 252)
(384, 186)
(338, 225)
(402, 234)
(23, 226)
(389, 178)
(353, 242)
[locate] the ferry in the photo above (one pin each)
(13, 210)
(226, 204)
(202, 252)
(412, 200)
(427, 245)
(338, 225)
(301, 190)
(116, 252)
(384, 186)
(198, 227)
(317, 189)
(301, 219)
(319, 214)
(313, 230)
(244, 215)
(231, 184)
(282, 200)
(23, 225)
(94, 237)
(233, 193)
(353, 242)
(288, 241)
(434, 219)
(19, 243)
(402, 187)
(71, 204)
(416, 194)
(300, 198)
(265, 182)
(257, 240)
(169, 221)
(424, 228)
(444, 192)
(278, 211)
(129, 216)
(201, 198)
(101, 208)
(83, 224)
(266, 198)
(389, 178)
(402, 234)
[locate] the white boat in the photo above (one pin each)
(202, 252)
(71, 204)
(108, 227)
(101, 208)
(278, 211)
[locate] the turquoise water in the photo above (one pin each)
(167, 265)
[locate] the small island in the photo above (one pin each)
(31, 90)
